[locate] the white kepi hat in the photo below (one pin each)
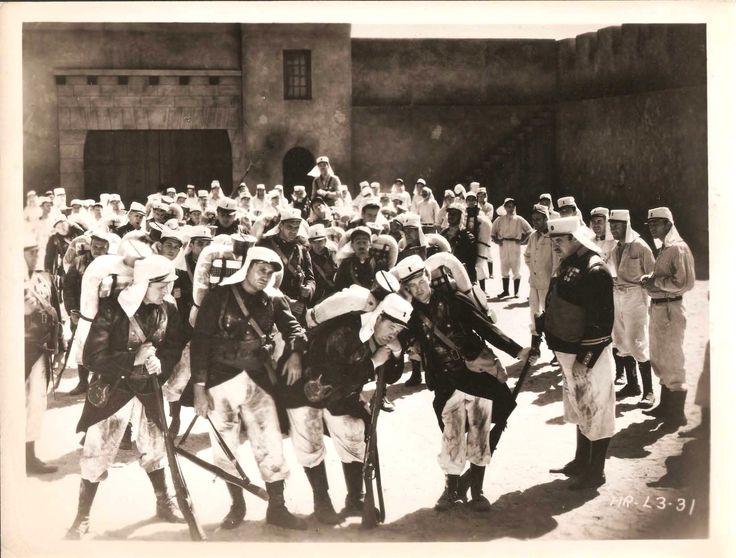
(255, 254)
(624, 216)
(152, 269)
(394, 307)
(573, 226)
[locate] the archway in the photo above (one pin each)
(297, 163)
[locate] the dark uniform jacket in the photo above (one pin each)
(224, 343)
(232, 229)
(456, 316)
(295, 258)
(56, 247)
(332, 184)
(125, 229)
(303, 206)
(579, 308)
(354, 272)
(324, 276)
(337, 355)
(110, 352)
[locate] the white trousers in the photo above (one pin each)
(588, 399)
(459, 446)
(537, 299)
(667, 323)
(179, 378)
(631, 322)
(241, 398)
(307, 435)
(510, 254)
(103, 439)
(35, 399)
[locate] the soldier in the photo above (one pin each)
(577, 325)
(398, 191)
(510, 231)
(215, 195)
(600, 227)
(631, 259)
(323, 264)
(673, 276)
(135, 218)
(428, 210)
(368, 213)
(300, 201)
(343, 355)
(546, 200)
(359, 268)
(467, 379)
(43, 340)
(226, 223)
(298, 283)
(98, 246)
(321, 213)
(541, 261)
(133, 336)
(233, 380)
(414, 240)
(325, 184)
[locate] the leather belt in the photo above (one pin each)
(664, 300)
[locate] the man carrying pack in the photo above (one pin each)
(344, 354)
(233, 378)
(323, 264)
(133, 336)
(468, 381)
(298, 283)
(510, 231)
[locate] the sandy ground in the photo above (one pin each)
(657, 482)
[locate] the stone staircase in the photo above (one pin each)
(521, 164)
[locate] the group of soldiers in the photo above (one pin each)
(272, 315)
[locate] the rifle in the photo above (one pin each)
(495, 434)
(182, 493)
(243, 482)
(371, 465)
(60, 372)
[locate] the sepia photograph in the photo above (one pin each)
(413, 272)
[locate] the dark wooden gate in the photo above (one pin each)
(297, 163)
(135, 163)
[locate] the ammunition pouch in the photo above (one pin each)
(250, 354)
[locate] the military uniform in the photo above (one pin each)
(578, 325)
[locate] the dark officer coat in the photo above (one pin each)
(110, 351)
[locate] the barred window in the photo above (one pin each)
(297, 74)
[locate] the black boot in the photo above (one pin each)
(505, 292)
(582, 458)
(632, 382)
(675, 416)
(647, 398)
(127, 443)
(660, 410)
(478, 503)
(236, 514)
(354, 483)
(323, 510)
(517, 286)
(175, 414)
(593, 477)
(83, 384)
(619, 368)
(34, 466)
(482, 284)
(80, 527)
(450, 496)
(701, 430)
(166, 507)
(490, 270)
(416, 374)
(276, 513)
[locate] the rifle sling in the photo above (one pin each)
(259, 332)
